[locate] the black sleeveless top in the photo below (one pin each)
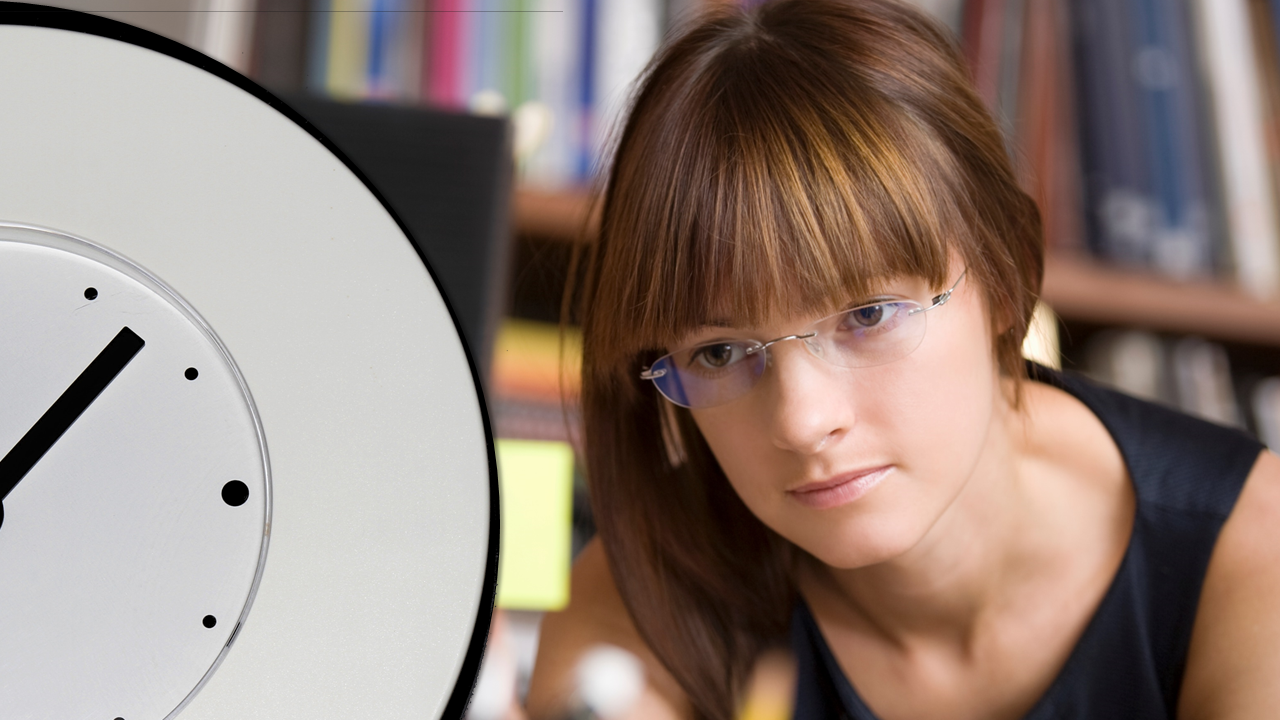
(1129, 661)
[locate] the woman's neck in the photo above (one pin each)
(1000, 537)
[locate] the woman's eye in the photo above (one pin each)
(867, 317)
(716, 356)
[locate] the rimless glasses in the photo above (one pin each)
(718, 372)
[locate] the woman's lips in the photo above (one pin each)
(840, 489)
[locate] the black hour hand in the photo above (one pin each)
(66, 409)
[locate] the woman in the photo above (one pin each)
(807, 421)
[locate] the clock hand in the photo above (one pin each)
(66, 409)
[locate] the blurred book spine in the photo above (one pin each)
(1148, 130)
(346, 66)
(565, 66)
(1048, 162)
(279, 56)
(1266, 408)
(1233, 79)
(536, 377)
(1188, 373)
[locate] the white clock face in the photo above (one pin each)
(134, 484)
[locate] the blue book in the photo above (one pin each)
(384, 24)
(1163, 68)
(587, 92)
(487, 48)
(1113, 134)
(318, 46)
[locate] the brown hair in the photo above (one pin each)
(776, 161)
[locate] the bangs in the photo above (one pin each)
(768, 201)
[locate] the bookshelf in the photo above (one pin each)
(1078, 288)
(1081, 133)
(548, 214)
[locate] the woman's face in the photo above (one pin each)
(856, 465)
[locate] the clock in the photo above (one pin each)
(190, 275)
(135, 498)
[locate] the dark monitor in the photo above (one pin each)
(448, 177)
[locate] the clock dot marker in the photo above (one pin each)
(210, 621)
(92, 294)
(191, 373)
(235, 493)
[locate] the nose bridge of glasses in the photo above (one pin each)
(811, 340)
(784, 338)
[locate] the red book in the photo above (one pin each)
(983, 35)
(444, 54)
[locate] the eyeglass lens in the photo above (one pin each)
(718, 372)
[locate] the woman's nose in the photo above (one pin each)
(810, 408)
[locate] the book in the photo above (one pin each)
(382, 69)
(1268, 58)
(517, 56)
(1202, 376)
(1010, 61)
(1046, 129)
(1230, 67)
(1117, 200)
(223, 30)
(410, 34)
(1132, 361)
(1266, 411)
(585, 109)
(346, 67)
(981, 30)
(317, 71)
(532, 361)
(633, 29)
(536, 479)
(486, 48)
(446, 54)
(556, 57)
(279, 55)
(1163, 67)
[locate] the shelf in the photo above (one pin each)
(1082, 290)
(1078, 289)
(550, 215)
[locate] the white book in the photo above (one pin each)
(1266, 411)
(1132, 361)
(1202, 375)
(1229, 64)
(557, 66)
(627, 35)
(223, 30)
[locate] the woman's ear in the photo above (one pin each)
(1006, 319)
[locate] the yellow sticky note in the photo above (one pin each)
(536, 486)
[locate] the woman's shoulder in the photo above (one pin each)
(1234, 658)
(1176, 461)
(596, 615)
(1210, 487)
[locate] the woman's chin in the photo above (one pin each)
(850, 548)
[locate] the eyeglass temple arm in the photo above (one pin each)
(941, 299)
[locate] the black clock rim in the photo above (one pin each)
(15, 13)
